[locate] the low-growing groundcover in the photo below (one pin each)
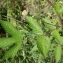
(31, 37)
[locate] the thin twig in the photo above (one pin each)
(49, 2)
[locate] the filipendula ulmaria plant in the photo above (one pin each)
(43, 42)
(15, 41)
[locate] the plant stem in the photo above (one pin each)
(60, 19)
(49, 2)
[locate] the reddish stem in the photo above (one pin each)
(58, 14)
(50, 3)
(60, 19)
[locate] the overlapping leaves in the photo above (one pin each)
(15, 41)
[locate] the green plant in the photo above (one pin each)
(44, 42)
(43, 32)
(13, 43)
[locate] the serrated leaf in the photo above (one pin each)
(56, 35)
(5, 42)
(57, 7)
(49, 24)
(57, 53)
(11, 52)
(43, 44)
(8, 27)
(34, 25)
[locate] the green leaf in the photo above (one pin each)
(43, 44)
(56, 35)
(34, 25)
(57, 53)
(50, 26)
(11, 52)
(8, 27)
(57, 7)
(15, 40)
(49, 23)
(5, 42)
(61, 39)
(34, 49)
